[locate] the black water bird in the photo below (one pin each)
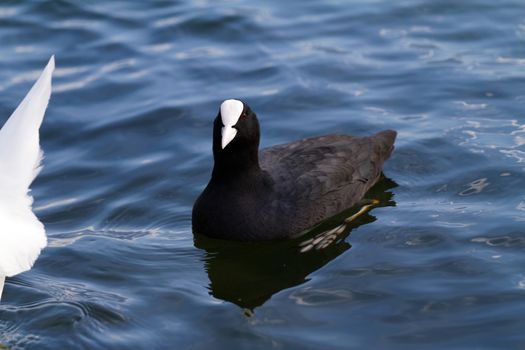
(284, 190)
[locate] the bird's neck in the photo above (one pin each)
(236, 164)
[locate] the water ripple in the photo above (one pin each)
(127, 142)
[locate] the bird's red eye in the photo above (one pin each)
(243, 115)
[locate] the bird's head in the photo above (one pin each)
(236, 126)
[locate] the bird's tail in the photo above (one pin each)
(385, 140)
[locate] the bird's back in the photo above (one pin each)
(316, 178)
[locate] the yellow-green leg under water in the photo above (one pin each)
(324, 239)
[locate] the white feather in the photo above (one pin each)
(2, 280)
(22, 235)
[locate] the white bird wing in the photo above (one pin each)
(22, 235)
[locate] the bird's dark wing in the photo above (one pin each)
(324, 175)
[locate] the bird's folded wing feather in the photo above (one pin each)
(319, 165)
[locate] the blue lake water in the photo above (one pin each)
(439, 263)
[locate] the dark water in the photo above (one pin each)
(438, 263)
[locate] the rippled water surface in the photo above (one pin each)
(437, 263)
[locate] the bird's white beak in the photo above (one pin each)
(230, 113)
(228, 134)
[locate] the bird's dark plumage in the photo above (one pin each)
(283, 190)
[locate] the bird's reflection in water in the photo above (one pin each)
(249, 273)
